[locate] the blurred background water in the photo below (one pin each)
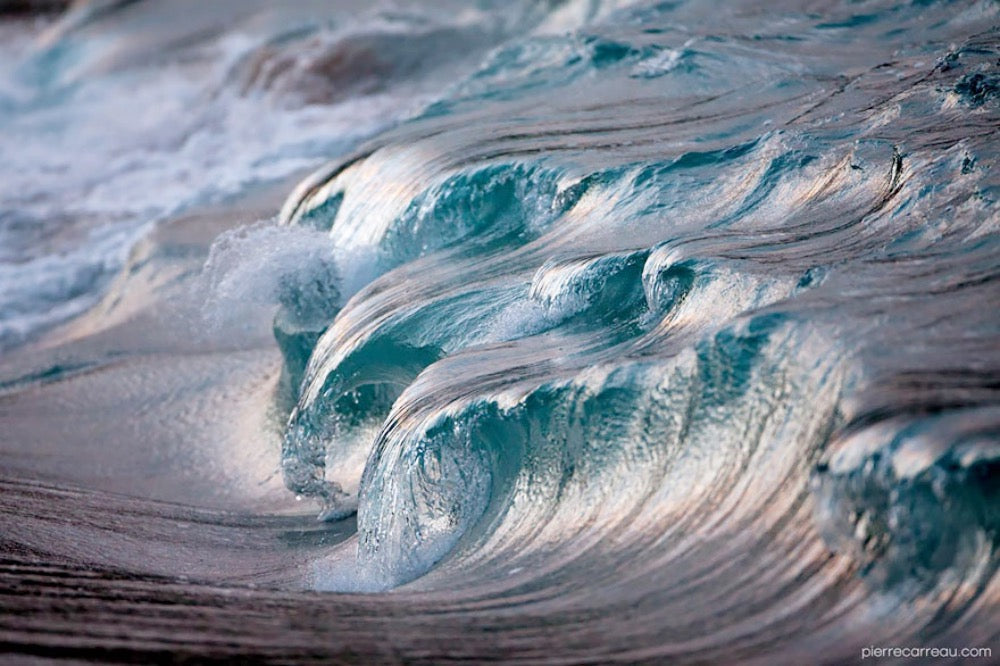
(591, 331)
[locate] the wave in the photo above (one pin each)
(564, 304)
(665, 329)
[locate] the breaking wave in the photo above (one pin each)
(672, 327)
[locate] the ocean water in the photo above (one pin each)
(589, 331)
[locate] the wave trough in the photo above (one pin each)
(667, 329)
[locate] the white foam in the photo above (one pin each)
(249, 269)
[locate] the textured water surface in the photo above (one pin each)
(591, 331)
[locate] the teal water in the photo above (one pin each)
(623, 275)
(681, 319)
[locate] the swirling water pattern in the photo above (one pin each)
(671, 335)
(627, 290)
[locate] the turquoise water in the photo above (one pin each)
(681, 317)
(630, 273)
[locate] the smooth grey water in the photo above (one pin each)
(629, 331)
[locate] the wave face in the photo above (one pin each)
(678, 278)
(645, 330)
